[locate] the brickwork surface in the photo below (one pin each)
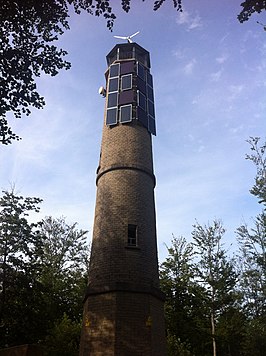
(123, 324)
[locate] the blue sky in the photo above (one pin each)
(210, 96)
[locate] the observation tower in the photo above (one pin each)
(123, 309)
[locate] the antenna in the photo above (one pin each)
(128, 38)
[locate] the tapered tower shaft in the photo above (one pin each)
(123, 311)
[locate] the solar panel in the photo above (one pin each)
(141, 85)
(150, 93)
(149, 79)
(141, 72)
(126, 82)
(130, 95)
(126, 113)
(127, 67)
(111, 116)
(114, 70)
(112, 100)
(141, 100)
(113, 84)
(142, 117)
(126, 97)
(151, 110)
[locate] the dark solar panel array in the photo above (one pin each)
(130, 95)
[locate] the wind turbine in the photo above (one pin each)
(128, 38)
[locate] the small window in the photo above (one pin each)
(132, 235)
(114, 70)
(126, 82)
(113, 85)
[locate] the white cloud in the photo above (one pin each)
(182, 18)
(195, 22)
(191, 21)
(179, 53)
(223, 58)
(215, 77)
(235, 91)
(189, 67)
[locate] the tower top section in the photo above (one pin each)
(129, 87)
(125, 51)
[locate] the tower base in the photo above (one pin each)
(122, 323)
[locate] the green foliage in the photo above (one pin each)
(258, 157)
(252, 256)
(215, 271)
(177, 348)
(27, 30)
(252, 241)
(63, 263)
(17, 248)
(252, 244)
(43, 275)
(215, 305)
(255, 339)
(202, 304)
(63, 338)
(184, 307)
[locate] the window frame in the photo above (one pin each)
(132, 241)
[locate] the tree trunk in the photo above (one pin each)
(213, 334)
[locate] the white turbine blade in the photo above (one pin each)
(134, 34)
(121, 37)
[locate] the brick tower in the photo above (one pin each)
(123, 310)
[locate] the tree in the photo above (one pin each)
(43, 274)
(258, 157)
(63, 338)
(215, 273)
(63, 262)
(17, 246)
(252, 241)
(252, 247)
(184, 306)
